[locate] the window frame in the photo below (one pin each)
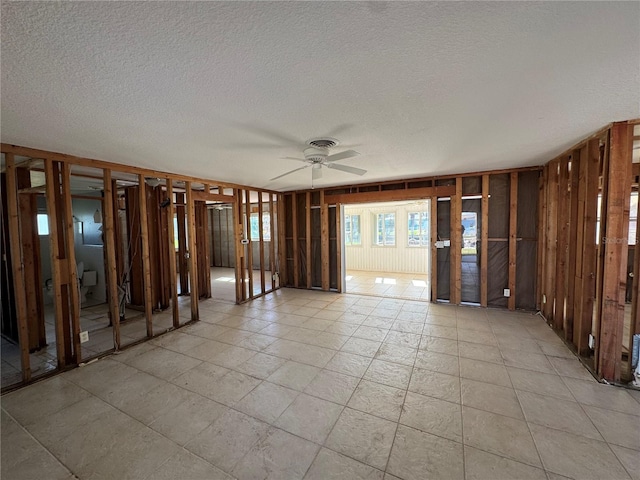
(423, 235)
(384, 243)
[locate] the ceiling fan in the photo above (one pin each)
(316, 156)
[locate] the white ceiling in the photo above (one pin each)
(223, 90)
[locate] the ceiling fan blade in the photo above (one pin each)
(346, 168)
(342, 155)
(288, 173)
(316, 173)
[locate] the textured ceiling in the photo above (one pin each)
(224, 90)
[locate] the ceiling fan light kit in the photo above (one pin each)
(316, 155)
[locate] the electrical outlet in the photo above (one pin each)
(84, 337)
(592, 342)
(507, 292)
(544, 298)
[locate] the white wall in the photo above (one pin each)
(400, 258)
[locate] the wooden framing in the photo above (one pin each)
(108, 225)
(615, 251)
(247, 222)
(238, 230)
(263, 288)
(513, 225)
(17, 265)
(146, 261)
(74, 294)
(172, 256)
(572, 242)
(294, 215)
(388, 195)
(324, 219)
(434, 250)
(308, 238)
(551, 242)
(272, 242)
(455, 250)
(193, 252)
(561, 245)
(484, 242)
(183, 262)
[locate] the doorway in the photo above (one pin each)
(387, 249)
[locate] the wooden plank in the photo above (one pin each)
(272, 241)
(586, 261)
(172, 260)
(484, 240)
(308, 237)
(434, 251)
(552, 230)
(193, 251)
(281, 269)
(30, 241)
(238, 227)
(389, 195)
(17, 266)
(199, 196)
(74, 294)
(456, 244)
(294, 220)
(108, 225)
(513, 226)
(183, 261)
(561, 248)
(63, 344)
(572, 242)
(146, 261)
(263, 288)
(542, 239)
(250, 244)
(615, 252)
(324, 243)
(339, 243)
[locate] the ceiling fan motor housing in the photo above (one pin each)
(315, 154)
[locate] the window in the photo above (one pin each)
(266, 227)
(385, 229)
(352, 230)
(418, 229)
(43, 224)
(633, 218)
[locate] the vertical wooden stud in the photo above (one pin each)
(108, 225)
(263, 288)
(434, 249)
(324, 219)
(172, 256)
(552, 226)
(238, 232)
(574, 177)
(250, 244)
(456, 243)
(193, 252)
(339, 244)
(484, 243)
(294, 220)
(17, 265)
(308, 238)
(146, 262)
(272, 241)
(561, 249)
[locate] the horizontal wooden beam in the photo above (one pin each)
(93, 163)
(211, 197)
(390, 195)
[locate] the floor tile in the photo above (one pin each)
(500, 435)
(261, 365)
(417, 455)
(484, 372)
(438, 362)
(228, 439)
(617, 428)
(481, 465)
(601, 395)
(377, 399)
(570, 367)
(294, 375)
(477, 351)
(186, 465)
(233, 387)
(440, 345)
(361, 346)
(349, 364)
(276, 456)
(630, 459)
(575, 456)
(559, 414)
(267, 401)
(363, 437)
(202, 379)
(188, 419)
(490, 398)
(433, 416)
(310, 418)
(155, 402)
(541, 383)
(331, 465)
(397, 354)
(404, 339)
(332, 386)
(387, 373)
(164, 363)
(433, 384)
(371, 333)
(527, 361)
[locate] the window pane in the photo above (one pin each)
(43, 224)
(355, 229)
(266, 227)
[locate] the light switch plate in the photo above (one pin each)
(84, 337)
(507, 292)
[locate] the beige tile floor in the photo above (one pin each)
(302, 384)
